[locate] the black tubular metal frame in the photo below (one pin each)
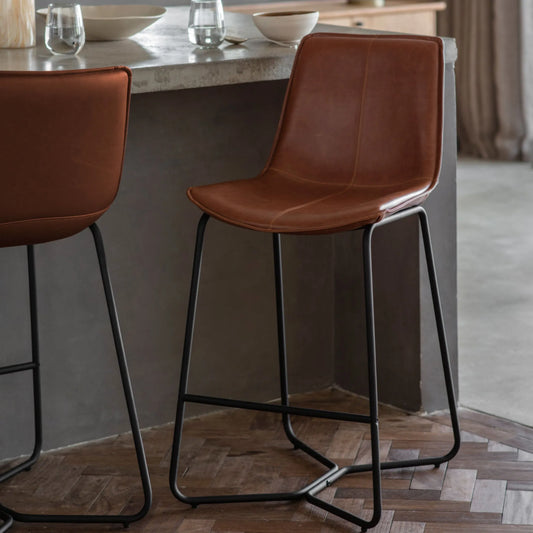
(334, 472)
(7, 514)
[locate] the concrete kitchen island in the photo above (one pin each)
(197, 117)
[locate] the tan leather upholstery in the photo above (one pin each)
(62, 138)
(359, 138)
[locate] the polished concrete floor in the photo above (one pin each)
(495, 288)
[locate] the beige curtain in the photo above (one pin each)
(491, 120)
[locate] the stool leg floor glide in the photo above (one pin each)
(7, 514)
(334, 472)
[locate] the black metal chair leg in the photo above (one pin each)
(35, 368)
(187, 346)
(430, 262)
(128, 393)
(125, 378)
(37, 410)
(282, 350)
(372, 375)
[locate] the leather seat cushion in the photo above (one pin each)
(279, 203)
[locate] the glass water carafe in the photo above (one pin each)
(17, 23)
(206, 23)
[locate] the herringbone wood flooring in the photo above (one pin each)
(487, 488)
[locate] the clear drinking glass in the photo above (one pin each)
(206, 23)
(64, 32)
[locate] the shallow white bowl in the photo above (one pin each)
(285, 27)
(116, 22)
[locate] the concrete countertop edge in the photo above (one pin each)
(234, 72)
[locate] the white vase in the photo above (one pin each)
(17, 23)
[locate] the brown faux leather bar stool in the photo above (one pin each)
(358, 146)
(56, 181)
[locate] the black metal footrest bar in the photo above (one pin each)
(274, 408)
(21, 367)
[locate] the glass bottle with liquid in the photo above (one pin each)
(206, 23)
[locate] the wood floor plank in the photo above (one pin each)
(265, 526)
(496, 447)
(384, 525)
(525, 456)
(365, 451)
(401, 454)
(488, 496)
(520, 485)
(458, 484)
(408, 527)
(518, 507)
(428, 477)
(448, 517)
(353, 505)
(87, 490)
(196, 526)
(115, 496)
(345, 444)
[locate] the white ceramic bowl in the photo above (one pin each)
(285, 27)
(116, 22)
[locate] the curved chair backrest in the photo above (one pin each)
(62, 140)
(363, 110)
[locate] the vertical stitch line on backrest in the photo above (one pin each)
(361, 114)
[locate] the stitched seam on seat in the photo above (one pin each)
(347, 187)
(301, 178)
(297, 177)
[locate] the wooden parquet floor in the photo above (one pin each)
(487, 488)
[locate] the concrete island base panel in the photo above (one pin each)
(198, 117)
